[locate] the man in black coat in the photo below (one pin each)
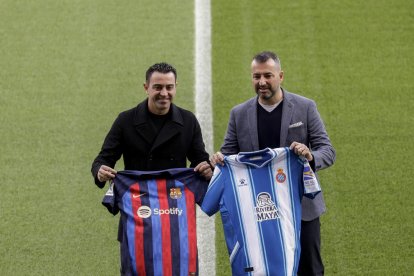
(155, 135)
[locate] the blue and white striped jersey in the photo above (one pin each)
(259, 197)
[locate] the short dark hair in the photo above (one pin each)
(161, 67)
(265, 56)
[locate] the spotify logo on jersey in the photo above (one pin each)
(144, 212)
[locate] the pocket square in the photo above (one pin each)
(296, 124)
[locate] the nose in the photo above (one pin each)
(164, 91)
(262, 81)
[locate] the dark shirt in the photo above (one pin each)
(268, 126)
(157, 122)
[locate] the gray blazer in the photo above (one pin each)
(301, 122)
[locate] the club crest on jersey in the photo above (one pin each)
(175, 193)
(265, 208)
(280, 176)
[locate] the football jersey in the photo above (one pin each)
(158, 220)
(259, 197)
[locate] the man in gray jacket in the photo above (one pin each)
(278, 118)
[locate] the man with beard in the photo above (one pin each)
(277, 118)
(155, 135)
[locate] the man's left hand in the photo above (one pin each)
(302, 150)
(204, 169)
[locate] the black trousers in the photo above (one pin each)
(310, 262)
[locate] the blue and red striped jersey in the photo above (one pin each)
(158, 220)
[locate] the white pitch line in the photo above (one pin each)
(204, 113)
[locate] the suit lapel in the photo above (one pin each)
(252, 121)
(146, 133)
(141, 123)
(169, 130)
(287, 113)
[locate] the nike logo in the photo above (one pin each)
(136, 196)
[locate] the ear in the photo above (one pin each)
(146, 87)
(281, 75)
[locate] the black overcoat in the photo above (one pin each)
(132, 137)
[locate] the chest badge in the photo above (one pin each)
(280, 176)
(175, 193)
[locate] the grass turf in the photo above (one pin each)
(69, 67)
(353, 59)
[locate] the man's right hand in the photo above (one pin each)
(105, 173)
(217, 158)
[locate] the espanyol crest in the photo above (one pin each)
(280, 176)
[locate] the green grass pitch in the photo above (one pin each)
(67, 68)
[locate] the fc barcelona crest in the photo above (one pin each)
(280, 176)
(175, 193)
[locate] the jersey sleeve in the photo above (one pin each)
(310, 182)
(194, 182)
(211, 202)
(109, 200)
(200, 189)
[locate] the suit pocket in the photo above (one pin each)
(297, 134)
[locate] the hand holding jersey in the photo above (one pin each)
(106, 173)
(301, 150)
(298, 148)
